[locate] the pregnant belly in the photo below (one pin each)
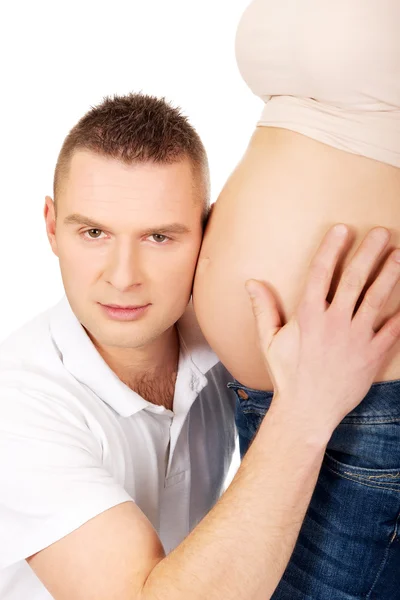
(267, 224)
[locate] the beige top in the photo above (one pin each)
(328, 70)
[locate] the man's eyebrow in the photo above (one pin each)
(77, 219)
(174, 228)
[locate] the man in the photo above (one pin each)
(116, 425)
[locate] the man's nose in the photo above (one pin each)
(125, 269)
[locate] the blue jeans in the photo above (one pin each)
(349, 544)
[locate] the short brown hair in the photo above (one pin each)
(137, 128)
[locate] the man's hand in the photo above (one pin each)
(324, 360)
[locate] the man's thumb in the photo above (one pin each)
(265, 311)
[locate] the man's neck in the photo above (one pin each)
(151, 370)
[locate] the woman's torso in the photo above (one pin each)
(267, 224)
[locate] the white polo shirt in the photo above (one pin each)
(76, 441)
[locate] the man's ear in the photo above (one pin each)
(50, 219)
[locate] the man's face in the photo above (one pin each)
(139, 246)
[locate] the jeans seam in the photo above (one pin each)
(375, 487)
(362, 472)
(385, 558)
(384, 475)
(368, 420)
(354, 420)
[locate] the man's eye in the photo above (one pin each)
(159, 238)
(94, 234)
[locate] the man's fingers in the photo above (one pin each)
(265, 312)
(323, 265)
(387, 337)
(379, 292)
(355, 275)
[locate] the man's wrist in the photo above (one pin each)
(297, 426)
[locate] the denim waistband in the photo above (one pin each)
(382, 399)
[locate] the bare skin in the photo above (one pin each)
(287, 190)
(241, 548)
(129, 235)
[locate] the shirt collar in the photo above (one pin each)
(83, 361)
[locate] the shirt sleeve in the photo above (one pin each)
(52, 479)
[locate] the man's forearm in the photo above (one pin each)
(241, 548)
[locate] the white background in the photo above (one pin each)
(60, 57)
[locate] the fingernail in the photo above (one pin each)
(249, 287)
(340, 229)
(381, 233)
